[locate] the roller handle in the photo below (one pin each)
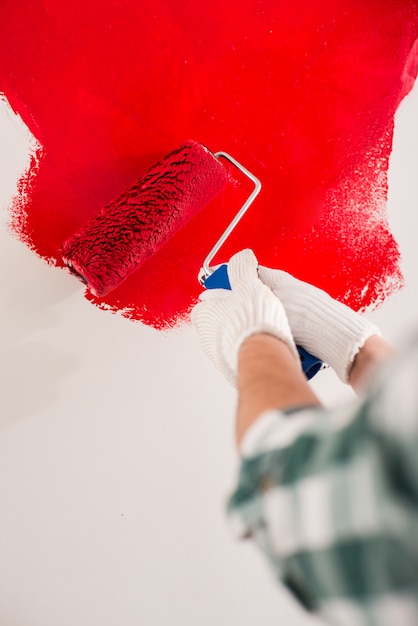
(219, 280)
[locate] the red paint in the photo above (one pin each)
(303, 94)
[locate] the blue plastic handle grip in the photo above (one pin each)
(219, 280)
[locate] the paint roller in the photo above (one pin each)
(124, 234)
(132, 228)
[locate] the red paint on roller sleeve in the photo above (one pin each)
(122, 236)
(302, 93)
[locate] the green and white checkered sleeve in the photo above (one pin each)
(331, 498)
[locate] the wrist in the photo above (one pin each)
(269, 377)
(374, 352)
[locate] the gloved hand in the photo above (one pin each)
(325, 327)
(225, 318)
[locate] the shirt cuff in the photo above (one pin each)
(252, 441)
(274, 429)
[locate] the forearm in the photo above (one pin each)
(374, 352)
(268, 377)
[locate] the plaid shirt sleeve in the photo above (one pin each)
(331, 499)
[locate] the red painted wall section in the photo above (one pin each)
(303, 94)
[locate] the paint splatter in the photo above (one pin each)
(303, 95)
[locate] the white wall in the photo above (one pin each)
(116, 445)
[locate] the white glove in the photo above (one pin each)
(225, 318)
(326, 328)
